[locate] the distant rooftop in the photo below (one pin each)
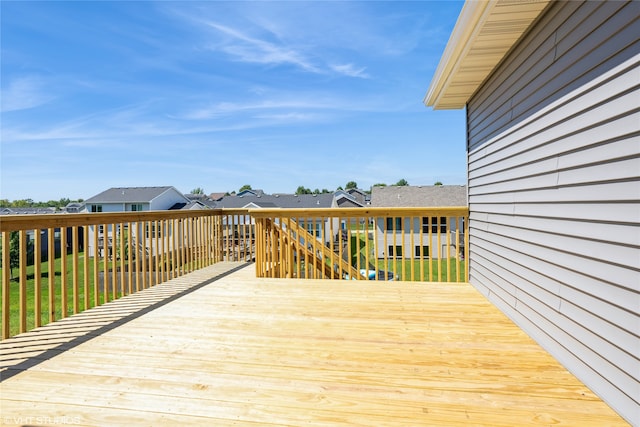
(129, 194)
(277, 200)
(419, 196)
(27, 211)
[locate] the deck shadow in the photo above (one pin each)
(29, 349)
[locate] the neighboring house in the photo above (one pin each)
(389, 231)
(131, 199)
(74, 207)
(552, 95)
(216, 196)
(359, 195)
(344, 199)
(44, 237)
(250, 193)
(58, 243)
(27, 211)
(198, 201)
(288, 201)
(293, 201)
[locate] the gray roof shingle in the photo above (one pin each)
(419, 196)
(306, 201)
(129, 194)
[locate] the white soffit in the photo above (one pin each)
(484, 33)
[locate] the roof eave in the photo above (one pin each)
(453, 84)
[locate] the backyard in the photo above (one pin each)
(409, 269)
(82, 299)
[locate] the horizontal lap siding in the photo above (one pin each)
(554, 192)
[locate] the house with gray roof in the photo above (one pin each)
(28, 211)
(131, 199)
(345, 199)
(389, 231)
(288, 201)
(361, 196)
(74, 207)
(254, 200)
(216, 196)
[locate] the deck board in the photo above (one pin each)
(247, 351)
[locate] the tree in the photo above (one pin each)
(303, 190)
(380, 184)
(197, 190)
(351, 184)
(24, 203)
(30, 203)
(402, 183)
(14, 250)
(437, 183)
(245, 187)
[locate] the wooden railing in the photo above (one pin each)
(67, 263)
(416, 244)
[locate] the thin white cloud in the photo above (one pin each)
(290, 117)
(231, 108)
(249, 49)
(270, 41)
(350, 70)
(24, 93)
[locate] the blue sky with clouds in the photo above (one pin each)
(221, 94)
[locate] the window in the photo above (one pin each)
(424, 253)
(314, 228)
(436, 224)
(136, 208)
(96, 208)
(101, 229)
(395, 251)
(153, 231)
(391, 226)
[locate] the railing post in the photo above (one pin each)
(85, 244)
(75, 267)
(6, 285)
(37, 278)
(96, 268)
(23, 280)
(130, 255)
(51, 275)
(259, 243)
(64, 296)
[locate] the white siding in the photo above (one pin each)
(554, 192)
(166, 200)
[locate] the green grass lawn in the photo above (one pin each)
(401, 268)
(14, 294)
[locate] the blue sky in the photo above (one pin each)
(222, 94)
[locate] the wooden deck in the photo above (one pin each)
(236, 350)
